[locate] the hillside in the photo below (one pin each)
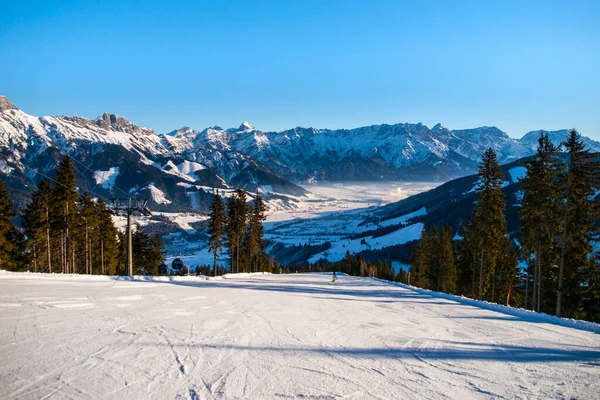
(388, 232)
(280, 336)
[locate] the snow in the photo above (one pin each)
(404, 218)
(338, 249)
(106, 179)
(279, 336)
(158, 196)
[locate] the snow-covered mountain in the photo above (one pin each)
(178, 170)
(112, 153)
(378, 152)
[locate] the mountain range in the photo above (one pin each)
(179, 170)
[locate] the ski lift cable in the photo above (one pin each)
(59, 183)
(118, 188)
(96, 174)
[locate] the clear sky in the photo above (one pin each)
(518, 65)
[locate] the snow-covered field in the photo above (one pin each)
(278, 336)
(330, 213)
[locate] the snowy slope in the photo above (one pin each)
(269, 336)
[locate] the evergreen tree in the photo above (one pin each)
(467, 261)
(237, 211)
(121, 268)
(36, 224)
(88, 229)
(65, 214)
(540, 211)
(490, 223)
(216, 228)
(506, 275)
(420, 268)
(108, 246)
(579, 180)
(254, 243)
(156, 255)
(140, 242)
(8, 233)
(447, 262)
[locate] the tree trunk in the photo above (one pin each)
(481, 277)
(48, 244)
(102, 254)
(494, 287)
(539, 277)
(34, 259)
(473, 282)
(535, 287)
(67, 238)
(87, 249)
(562, 258)
(527, 284)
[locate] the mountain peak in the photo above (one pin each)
(246, 126)
(6, 105)
(117, 123)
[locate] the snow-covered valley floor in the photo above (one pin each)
(276, 336)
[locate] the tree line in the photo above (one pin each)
(64, 231)
(559, 224)
(237, 227)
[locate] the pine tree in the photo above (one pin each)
(467, 260)
(421, 264)
(506, 274)
(579, 179)
(237, 211)
(7, 228)
(490, 223)
(65, 212)
(88, 228)
(446, 261)
(216, 228)
(140, 241)
(156, 255)
(36, 224)
(540, 209)
(255, 244)
(108, 246)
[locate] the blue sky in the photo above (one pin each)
(518, 65)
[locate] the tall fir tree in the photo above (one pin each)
(254, 241)
(467, 260)
(447, 262)
(65, 214)
(107, 251)
(156, 255)
(489, 222)
(8, 234)
(216, 228)
(420, 268)
(36, 224)
(88, 230)
(540, 219)
(237, 211)
(578, 181)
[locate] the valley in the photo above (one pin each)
(327, 213)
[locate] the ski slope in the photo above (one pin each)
(277, 337)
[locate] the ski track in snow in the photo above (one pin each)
(277, 336)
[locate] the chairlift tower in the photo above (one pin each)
(127, 207)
